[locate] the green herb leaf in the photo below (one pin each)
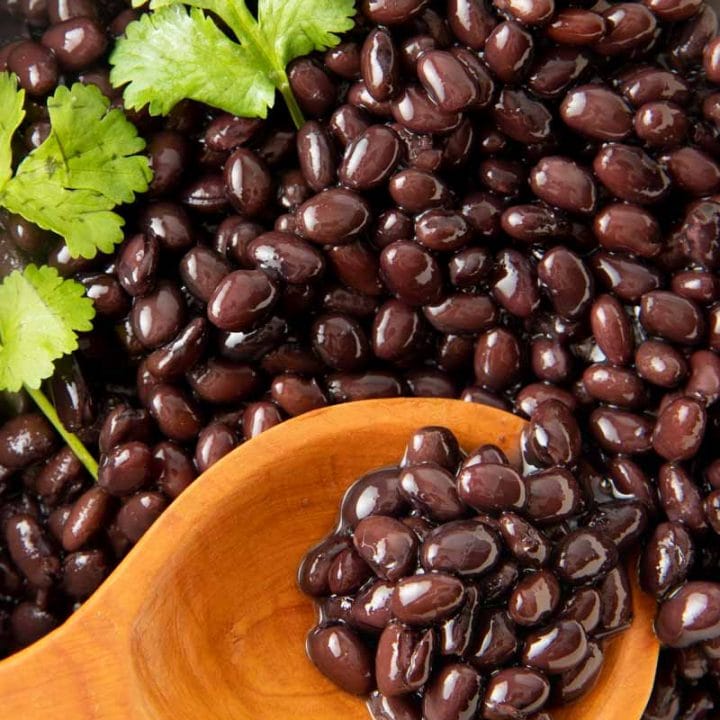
(174, 54)
(11, 102)
(297, 27)
(40, 315)
(87, 166)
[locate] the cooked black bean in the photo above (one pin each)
(77, 42)
(525, 542)
(453, 694)
(508, 51)
(83, 571)
(31, 551)
(24, 440)
(296, 395)
(680, 497)
(630, 174)
(597, 112)
(174, 468)
(679, 429)
(666, 558)
(553, 434)
(175, 414)
(516, 691)
(490, 488)
(241, 299)
(535, 599)
(584, 555)
(126, 468)
(36, 67)
(424, 599)
(417, 112)
(341, 656)
(138, 513)
(556, 649)
(202, 269)
(689, 615)
(248, 182)
(158, 316)
(167, 223)
(387, 545)
(562, 182)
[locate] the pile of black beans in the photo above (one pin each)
(455, 587)
(508, 202)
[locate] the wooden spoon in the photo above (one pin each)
(203, 620)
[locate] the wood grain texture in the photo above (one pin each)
(203, 620)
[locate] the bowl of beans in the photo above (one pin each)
(515, 204)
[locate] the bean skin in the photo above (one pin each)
(508, 51)
(562, 182)
(630, 174)
(25, 439)
(30, 551)
(77, 42)
(677, 627)
(597, 112)
(470, 22)
(672, 317)
(354, 672)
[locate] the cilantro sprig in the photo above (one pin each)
(176, 53)
(40, 316)
(70, 185)
(87, 166)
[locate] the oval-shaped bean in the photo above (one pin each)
(619, 431)
(535, 599)
(446, 81)
(525, 541)
(411, 273)
(387, 545)
(666, 558)
(680, 497)
(630, 174)
(597, 112)
(370, 158)
(424, 599)
(552, 495)
(332, 217)
(690, 615)
(517, 692)
(556, 649)
(561, 182)
(342, 657)
(453, 693)
(584, 555)
(490, 488)
(30, 550)
(466, 547)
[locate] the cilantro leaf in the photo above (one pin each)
(297, 27)
(11, 102)
(40, 314)
(173, 54)
(101, 156)
(87, 166)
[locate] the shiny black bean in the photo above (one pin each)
(30, 550)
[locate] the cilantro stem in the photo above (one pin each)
(295, 112)
(73, 441)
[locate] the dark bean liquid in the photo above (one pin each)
(516, 203)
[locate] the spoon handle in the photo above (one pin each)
(81, 671)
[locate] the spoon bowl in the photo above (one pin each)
(203, 619)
